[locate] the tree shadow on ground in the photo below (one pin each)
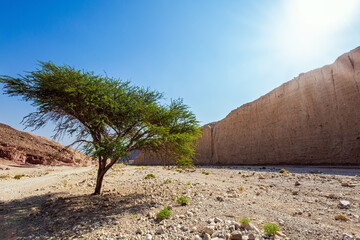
(53, 215)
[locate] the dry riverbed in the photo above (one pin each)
(55, 203)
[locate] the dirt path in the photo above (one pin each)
(26, 186)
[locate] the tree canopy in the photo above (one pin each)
(109, 117)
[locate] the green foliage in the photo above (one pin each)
(163, 214)
(244, 221)
(110, 118)
(182, 200)
(179, 171)
(188, 183)
(150, 175)
(283, 170)
(205, 173)
(18, 176)
(271, 228)
(167, 181)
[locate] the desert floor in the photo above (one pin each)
(56, 202)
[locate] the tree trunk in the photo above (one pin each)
(99, 180)
(103, 168)
(100, 176)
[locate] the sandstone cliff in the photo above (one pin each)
(23, 147)
(312, 119)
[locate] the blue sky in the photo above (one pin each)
(216, 55)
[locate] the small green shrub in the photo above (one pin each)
(206, 173)
(179, 171)
(162, 214)
(182, 200)
(150, 175)
(271, 228)
(283, 170)
(3, 177)
(18, 176)
(244, 221)
(167, 181)
(188, 183)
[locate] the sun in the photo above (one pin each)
(307, 28)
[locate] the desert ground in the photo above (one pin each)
(56, 202)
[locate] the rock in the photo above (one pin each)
(280, 234)
(189, 214)
(197, 237)
(209, 229)
(346, 236)
(343, 204)
(346, 184)
(297, 183)
(148, 237)
(160, 230)
(251, 236)
(220, 198)
(218, 234)
(138, 231)
(22, 147)
(217, 220)
(206, 237)
(316, 114)
(236, 235)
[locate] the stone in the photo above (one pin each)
(209, 229)
(148, 237)
(218, 234)
(346, 184)
(297, 183)
(346, 236)
(236, 235)
(160, 230)
(251, 236)
(343, 204)
(207, 236)
(220, 198)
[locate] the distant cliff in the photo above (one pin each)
(312, 119)
(26, 148)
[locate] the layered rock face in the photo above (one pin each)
(22, 147)
(312, 119)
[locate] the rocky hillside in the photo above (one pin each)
(23, 147)
(312, 119)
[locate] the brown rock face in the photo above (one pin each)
(312, 119)
(22, 147)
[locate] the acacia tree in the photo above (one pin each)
(109, 117)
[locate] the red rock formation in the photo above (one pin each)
(312, 119)
(22, 147)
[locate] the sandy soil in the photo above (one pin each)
(55, 203)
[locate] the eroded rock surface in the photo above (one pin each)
(23, 147)
(312, 119)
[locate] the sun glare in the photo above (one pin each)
(307, 28)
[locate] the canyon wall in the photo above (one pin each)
(312, 119)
